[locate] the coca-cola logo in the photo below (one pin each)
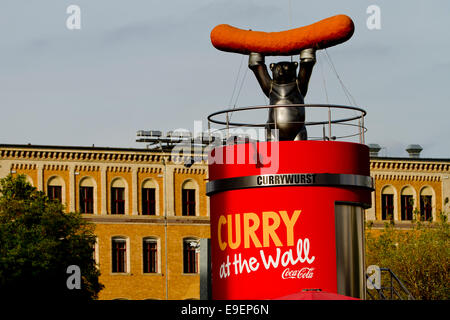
(303, 273)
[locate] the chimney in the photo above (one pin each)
(374, 149)
(414, 150)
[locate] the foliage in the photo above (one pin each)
(38, 242)
(419, 256)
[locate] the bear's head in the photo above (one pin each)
(284, 72)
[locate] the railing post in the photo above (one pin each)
(209, 131)
(362, 130)
(228, 126)
(329, 123)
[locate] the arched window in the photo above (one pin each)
(387, 203)
(55, 188)
(189, 198)
(426, 204)
(119, 254)
(87, 186)
(190, 255)
(150, 255)
(407, 203)
(118, 196)
(149, 194)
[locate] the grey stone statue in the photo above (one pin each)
(286, 87)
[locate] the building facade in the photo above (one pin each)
(150, 210)
(408, 189)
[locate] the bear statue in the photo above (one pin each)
(285, 87)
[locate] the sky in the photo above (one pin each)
(147, 64)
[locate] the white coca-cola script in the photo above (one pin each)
(303, 273)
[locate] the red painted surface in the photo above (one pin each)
(296, 223)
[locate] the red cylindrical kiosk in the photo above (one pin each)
(287, 216)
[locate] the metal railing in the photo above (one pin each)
(328, 123)
(393, 290)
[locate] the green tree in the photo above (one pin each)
(38, 242)
(420, 257)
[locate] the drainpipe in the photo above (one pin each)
(165, 227)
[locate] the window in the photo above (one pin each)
(388, 199)
(119, 255)
(425, 207)
(407, 202)
(148, 201)
(387, 206)
(150, 255)
(426, 204)
(118, 200)
(55, 193)
(149, 197)
(190, 256)
(55, 188)
(189, 198)
(188, 202)
(87, 199)
(118, 195)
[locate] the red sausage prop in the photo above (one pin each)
(320, 35)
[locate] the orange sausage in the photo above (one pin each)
(320, 35)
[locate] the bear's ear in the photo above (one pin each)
(272, 65)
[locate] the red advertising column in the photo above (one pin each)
(286, 216)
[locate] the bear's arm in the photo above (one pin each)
(304, 75)
(307, 61)
(259, 68)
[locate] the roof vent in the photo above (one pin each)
(414, 150)
(374, 149)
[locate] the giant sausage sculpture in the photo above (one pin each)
(320, 35)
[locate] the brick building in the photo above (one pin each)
(408, 188)
(123, 192)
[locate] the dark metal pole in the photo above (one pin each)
(205, 269)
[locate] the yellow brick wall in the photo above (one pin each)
(183, 286)
(135, 284)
